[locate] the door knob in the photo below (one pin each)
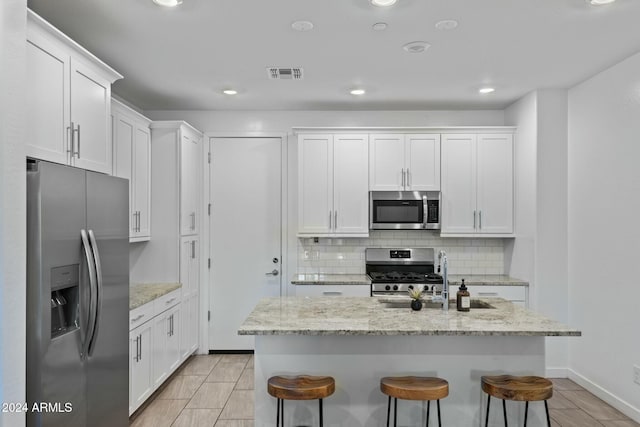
(273, 273)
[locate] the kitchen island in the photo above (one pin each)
(358, 340)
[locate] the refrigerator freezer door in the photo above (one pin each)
(108, 358)
(56, 211)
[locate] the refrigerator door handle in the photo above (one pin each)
(91, 323)
(98, 298)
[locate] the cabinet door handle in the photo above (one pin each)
(70, 141)
(138, 317)
(329, 220)
(408, 178)
(138, 221)
(331, 293)
(170, 301)
(403, 178)
(169, 326)
(138, 348)
(335, 220)
(77, 150)
(480, 220)
(488, 294)
(193, 249)
(140, 340)
(193, 220)
(474, 220)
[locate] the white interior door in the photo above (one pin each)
(245, 249)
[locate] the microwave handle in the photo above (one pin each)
(425, 211)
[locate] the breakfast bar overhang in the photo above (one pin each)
(359, 340)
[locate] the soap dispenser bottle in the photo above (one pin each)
(463, 299)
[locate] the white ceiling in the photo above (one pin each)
(182, 58)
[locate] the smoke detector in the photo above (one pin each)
(284, 73)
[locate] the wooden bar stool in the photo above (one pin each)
(302, 387)
(413, 388)
(527, 389)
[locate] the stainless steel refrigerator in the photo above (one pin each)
(77, 297)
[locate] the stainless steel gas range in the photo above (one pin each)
(394, 271)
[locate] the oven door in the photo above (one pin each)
(397, 210)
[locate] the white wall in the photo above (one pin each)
(539, 253)
(520, 252)
(604, 231)
(551, 249)
(12, 208)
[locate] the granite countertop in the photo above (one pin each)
(142, 293)
(331, 279)
(485, 280)
(371, 316)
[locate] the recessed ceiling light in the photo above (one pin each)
(486, 90)
(599, 2)
(302, 25)
(357, 92)
(416, 47)
(168, 3)
(383, 3)
(379, 26)
(230, 92)
(447, 24)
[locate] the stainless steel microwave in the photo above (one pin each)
(404, 210)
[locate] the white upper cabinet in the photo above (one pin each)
(350, 183)
(477, 184)
(386, 168)
(190, 148)
(132, 160)
(404, 162)
(495, 183)
(68, 99)
(315, 184)
(333, 185)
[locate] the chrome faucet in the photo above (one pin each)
(444, 295)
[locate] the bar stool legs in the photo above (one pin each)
(395, 412)
(504, 412)
(280, 413)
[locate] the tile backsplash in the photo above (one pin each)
(346, 256)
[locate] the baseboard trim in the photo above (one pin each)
(613, 400)
(230, 351)
(556, 373)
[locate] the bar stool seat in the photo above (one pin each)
(413, 388)
(300, 387)
(524, 389)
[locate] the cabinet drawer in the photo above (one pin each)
(333, 290)
(167, 301)
(140, 315)
(511, 293)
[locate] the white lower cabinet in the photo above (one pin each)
(140, 381)
(333, 290)
(166, 344)
(154, 345)
(190, 279)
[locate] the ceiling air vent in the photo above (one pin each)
(284, 73)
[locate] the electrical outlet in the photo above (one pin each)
(636, 374)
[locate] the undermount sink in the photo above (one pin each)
(406, 303)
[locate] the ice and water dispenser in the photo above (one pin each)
(65, 307)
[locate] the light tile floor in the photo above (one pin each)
(217, 391)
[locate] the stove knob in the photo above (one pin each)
(410, 286)
(388, 288)
(426, 288)
(395, 287)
